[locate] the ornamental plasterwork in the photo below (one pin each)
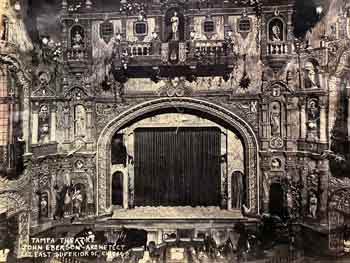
(103, 169)
(22, 77)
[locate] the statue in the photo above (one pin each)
(313, 205)
(80, 124)
(175, 26)
(313, 118)
(275, 124)
(311, 76)
(77, 40)
(77, 199)
(44, 129)
(275, 34)
(44, 209)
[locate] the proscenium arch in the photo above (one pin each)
(249, 140)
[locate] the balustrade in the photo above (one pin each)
(77, 54)
(277, 48)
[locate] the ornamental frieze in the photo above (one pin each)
(247, 110)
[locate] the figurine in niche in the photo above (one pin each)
(44, 209)
(44, 79)
(174, 21)
(311, 79)
(313, 204)
(44, 124)
(276, 31)
(80, 124)
(313, 117)
(175, 26)
(67, 202)
(77, 40)
(275, 123)
(77, 199)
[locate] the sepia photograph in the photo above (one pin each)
(174, 131)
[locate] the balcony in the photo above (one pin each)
(77, 58)
(144, 59)
(277, 53)
(277, 49)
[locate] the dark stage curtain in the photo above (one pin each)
(177, 167)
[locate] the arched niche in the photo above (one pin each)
(44, 204)
(77, 37)
(312, 74)
(174, 20)
(117, 188)
(276, 30)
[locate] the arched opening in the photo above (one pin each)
(276, 202)
(178, 125)
(117, 189)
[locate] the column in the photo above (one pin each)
(35, 123)
(89, 124)
(304, 192)
(302, 119)
(66, 122)
(323, 167)
(348, 100)
(323, 123)
(26, 122)
(53, 123)
(225, 204)
(129, 191)
(23, 235)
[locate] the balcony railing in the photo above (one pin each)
(77, 54)
(202, 53)
(277, 48)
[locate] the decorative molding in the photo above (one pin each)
(238, 124)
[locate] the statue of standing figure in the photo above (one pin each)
(313, 205)
(175, 26)
(311, 81)
(80, 123)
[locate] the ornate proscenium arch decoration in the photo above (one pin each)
(224, 115)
